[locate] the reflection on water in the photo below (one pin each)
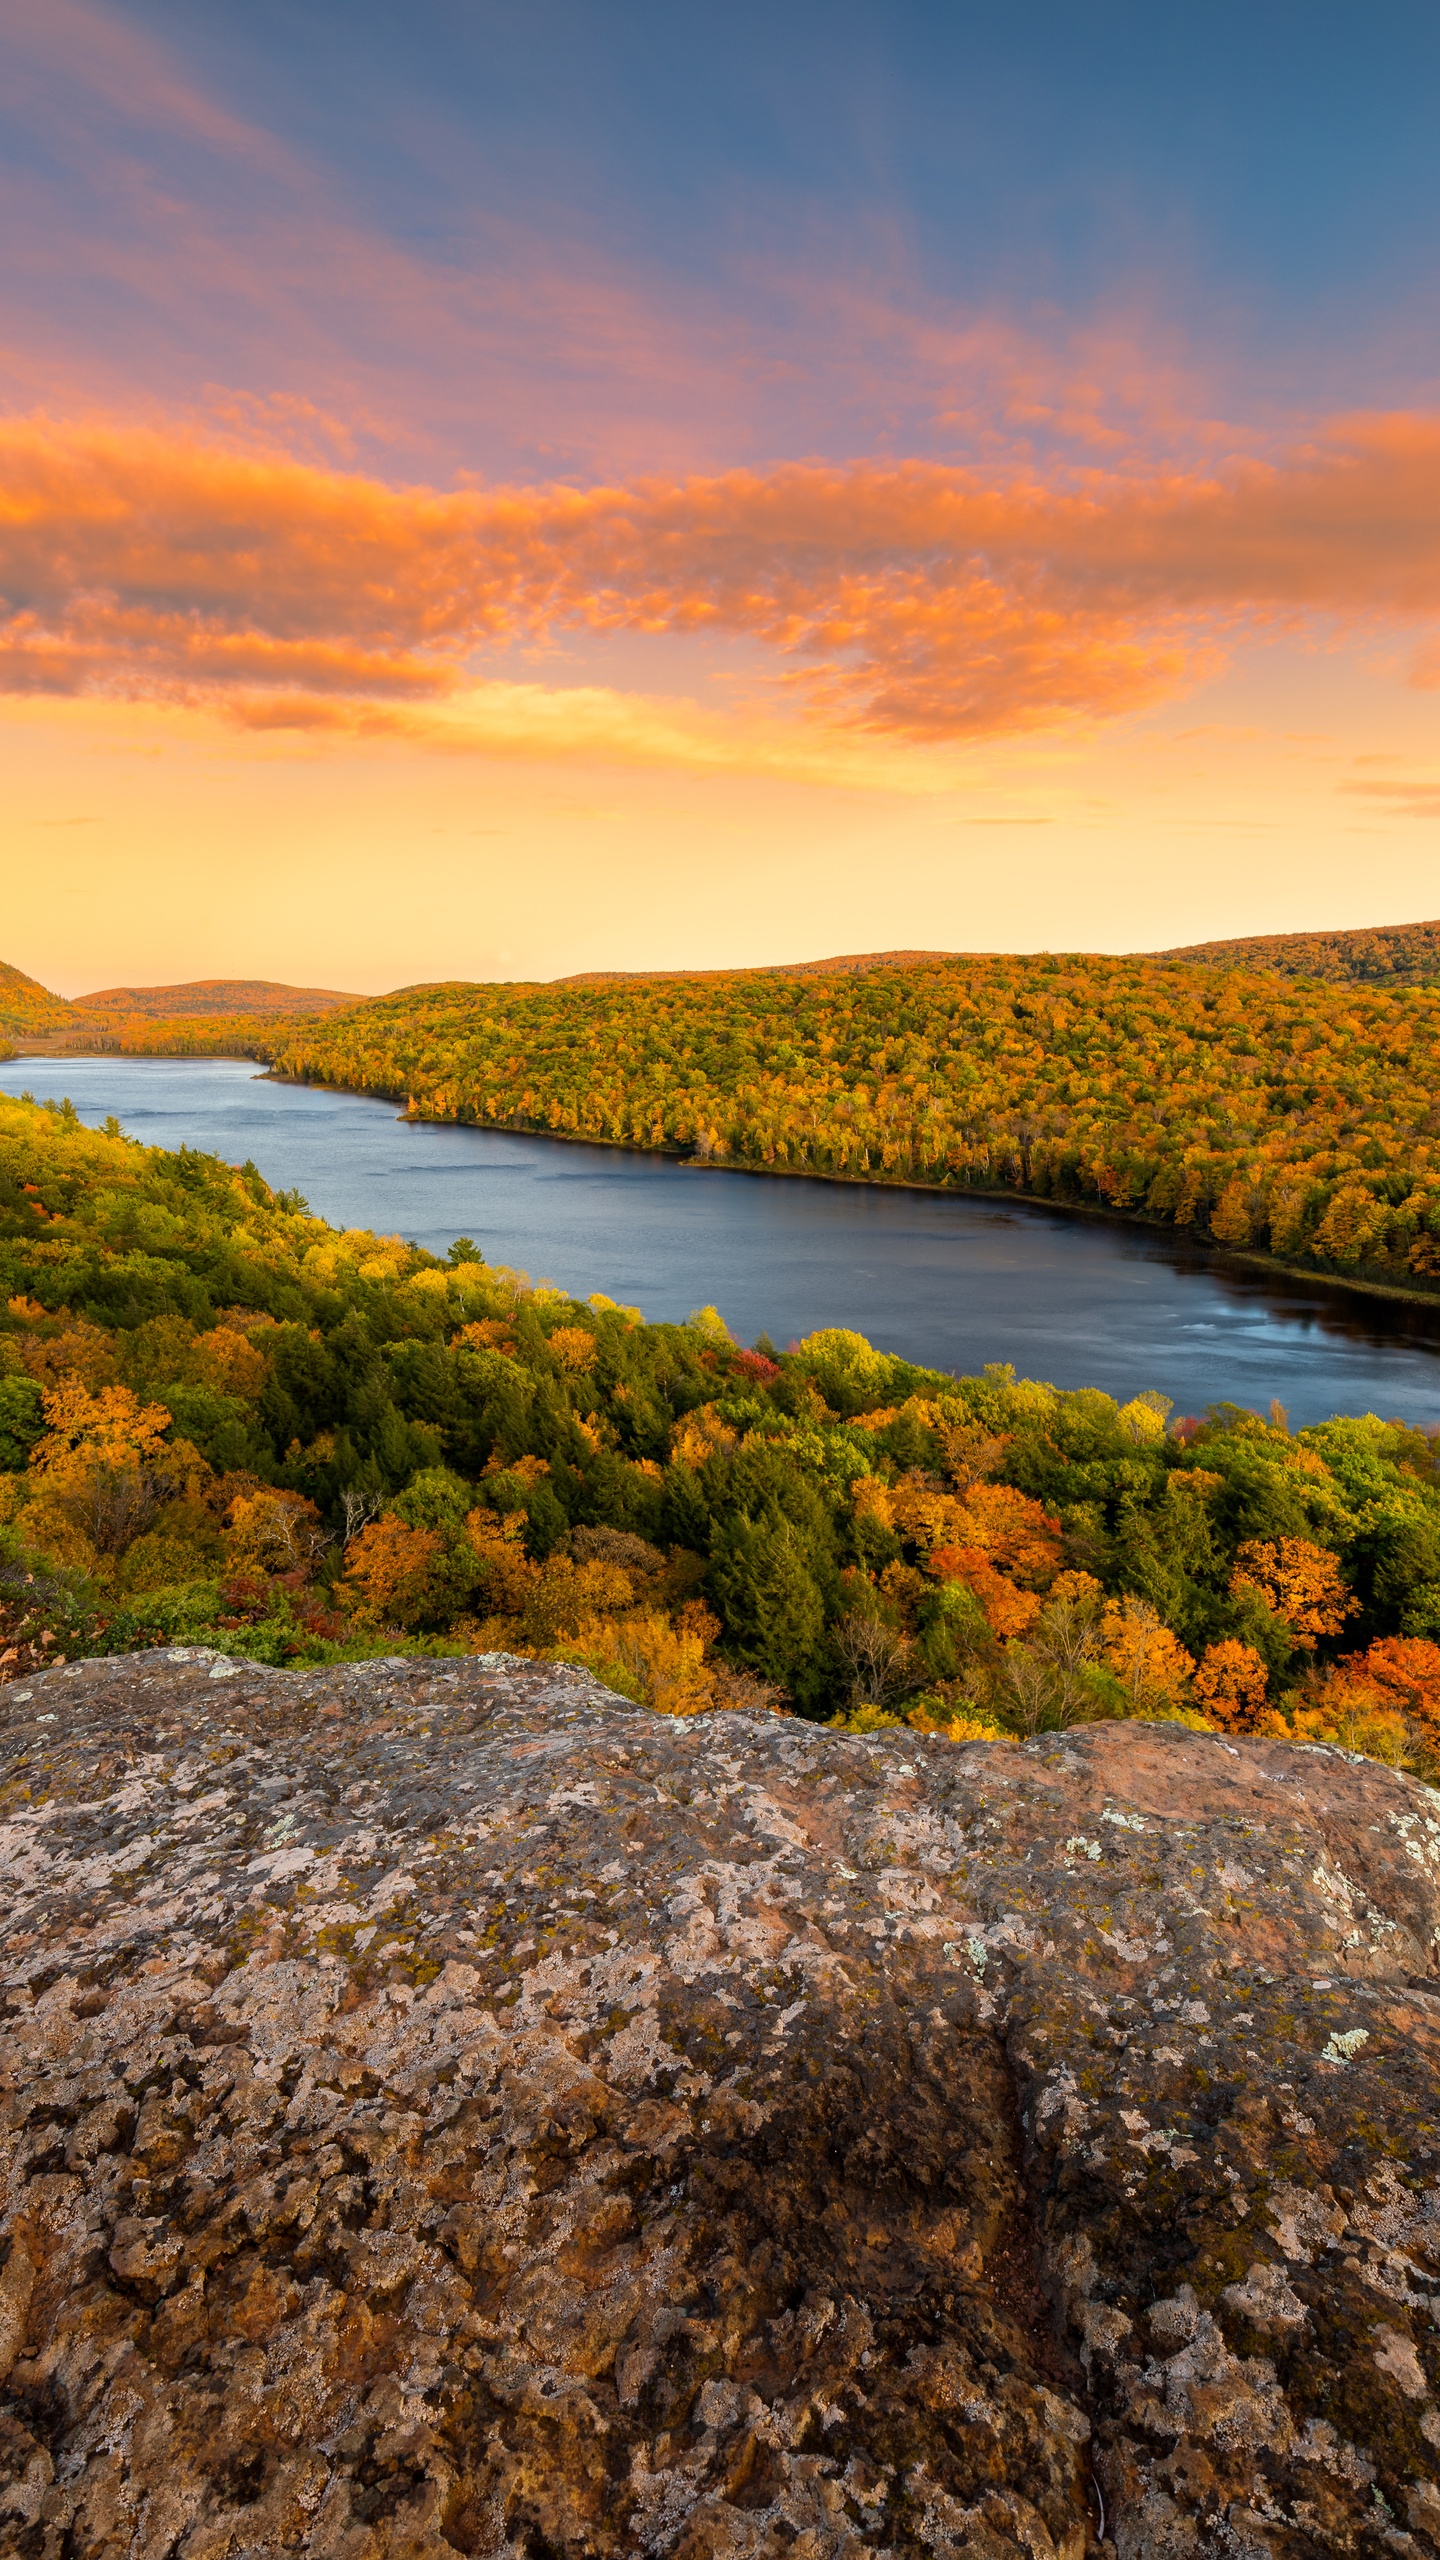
(953, 1282)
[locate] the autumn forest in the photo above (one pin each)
(1270, 1114)
(225, 1423)
(1275, 1097)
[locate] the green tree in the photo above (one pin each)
(771, 1604)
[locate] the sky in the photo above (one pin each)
(498, 491)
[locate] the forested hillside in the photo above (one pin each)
(26, 1006)
(197, 998)
(1391, 955)
(1380, 955)
(845, 964)
(1293, 1119)
(221, 1421)
(202, 1016)
(1263, 1111)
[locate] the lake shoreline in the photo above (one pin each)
(1129, 1221)
(1266, 1265)
(948, 1278)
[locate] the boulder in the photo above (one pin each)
(450, 2110)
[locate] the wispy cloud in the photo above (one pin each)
(164, 247)
(160, 245)
(1417, 799)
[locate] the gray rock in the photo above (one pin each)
(448, 2110)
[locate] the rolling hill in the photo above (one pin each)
(1393, 955)
(197, 997)
(27, 1007)
(1396, 955)
(199, 1015)
(850, 964)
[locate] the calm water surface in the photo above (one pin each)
(951, 1282)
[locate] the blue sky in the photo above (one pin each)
(1252, 191)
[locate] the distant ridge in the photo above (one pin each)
(1371, 955)
(850, 964)
(1403, 955)
(199, 996)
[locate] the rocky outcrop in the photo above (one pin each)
(450, 2111)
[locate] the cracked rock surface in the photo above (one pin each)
(448, 2110)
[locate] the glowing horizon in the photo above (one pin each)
(554, 594)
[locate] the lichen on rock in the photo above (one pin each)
(448, 2110)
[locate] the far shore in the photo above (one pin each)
(1306, 1274)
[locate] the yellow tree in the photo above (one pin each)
(104, 1468)
(1150, 1663)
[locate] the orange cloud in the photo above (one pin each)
(916, 601)
(1398, 799)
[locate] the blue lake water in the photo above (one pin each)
(948, 1281)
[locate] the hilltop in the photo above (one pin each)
(848, 964)
(197, 1015)
(1368, 955)
(1397, 955)
(201, 996)
(1373, 955)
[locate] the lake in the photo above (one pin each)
(952, 1282)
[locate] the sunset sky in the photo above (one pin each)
(498, 490)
